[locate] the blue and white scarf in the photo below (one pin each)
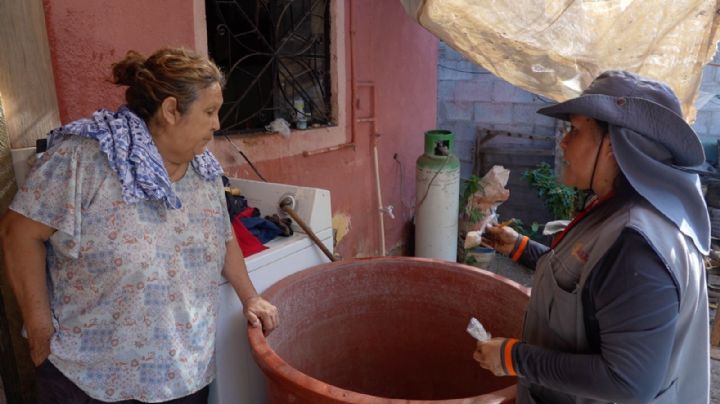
(132, 154)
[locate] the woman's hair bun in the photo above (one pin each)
(169, 72)
(126, 71)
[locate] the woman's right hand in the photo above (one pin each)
(501, 238)
(39, 344)
(261, 313)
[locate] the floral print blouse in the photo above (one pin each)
(133, 287)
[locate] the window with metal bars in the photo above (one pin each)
(276, 57)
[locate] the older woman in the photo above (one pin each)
(618, 310)
(116, 243)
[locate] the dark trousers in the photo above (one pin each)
(52, 387)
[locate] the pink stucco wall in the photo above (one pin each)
(398, 59)
(87, 36)
(391, 55)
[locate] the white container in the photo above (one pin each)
(482, 256)
(300, 116)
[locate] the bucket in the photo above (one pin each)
(482, 256)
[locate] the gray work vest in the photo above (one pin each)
(554, 318)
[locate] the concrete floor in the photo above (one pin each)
(505, 267)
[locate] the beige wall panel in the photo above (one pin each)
(26, 78)
(27, 96)
(19, 366)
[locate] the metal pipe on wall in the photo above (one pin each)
(378, 190)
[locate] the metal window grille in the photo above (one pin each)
(276, 57)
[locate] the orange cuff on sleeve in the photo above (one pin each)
(521, 248)
(507, 356)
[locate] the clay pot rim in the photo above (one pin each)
(277, 369)
(269, 292)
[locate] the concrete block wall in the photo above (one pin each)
(470, 97)
(707, 123)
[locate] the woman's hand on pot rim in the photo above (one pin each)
(260, 312)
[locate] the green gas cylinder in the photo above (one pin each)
(437, 176)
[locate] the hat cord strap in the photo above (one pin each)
(592, 176)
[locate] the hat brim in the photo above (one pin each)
(640, 115)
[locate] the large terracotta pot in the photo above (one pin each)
(386, 330)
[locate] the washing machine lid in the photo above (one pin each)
(279, 249)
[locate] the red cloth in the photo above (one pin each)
(248, 212)
(249, 244)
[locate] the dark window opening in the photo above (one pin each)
(276, 57)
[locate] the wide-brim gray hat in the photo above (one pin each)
(645, 106)
(652, 144)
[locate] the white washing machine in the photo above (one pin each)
(239, 380)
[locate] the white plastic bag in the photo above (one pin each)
(280, 126)
(482, 205)
(476, 329)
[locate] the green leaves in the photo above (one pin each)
(533, 231)
(476, 215)
(471, 186)
(559, 198)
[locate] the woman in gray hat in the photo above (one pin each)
(618, 310)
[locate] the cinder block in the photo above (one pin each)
(703, 122)
(463, 130)
(455, 111)
(461, 66)
(475, 90)
(470, 66)
(714, 124)
(445, 52)
(447, 72)
(442, 49)
(708, 75)
(539, 99)
(514, 127)
(446, 90)
(543, 130)
(503, 91)
(527, 113)
(493, 113)
(465, 150)
(523, 96)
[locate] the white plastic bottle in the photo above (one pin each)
(300, 118)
